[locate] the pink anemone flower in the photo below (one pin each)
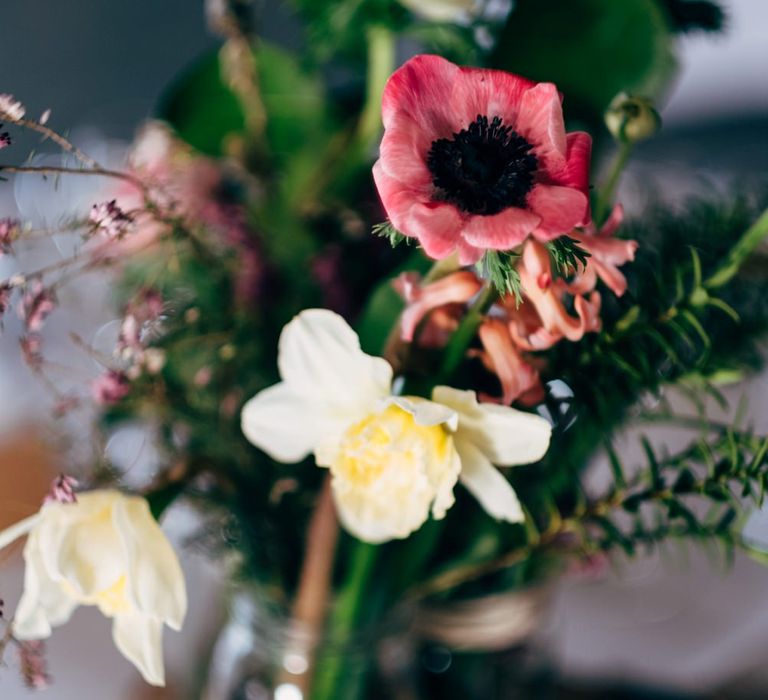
(475, 159)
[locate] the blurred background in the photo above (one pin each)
(691, 627)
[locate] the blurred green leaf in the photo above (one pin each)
(205, 112)
(591, 49)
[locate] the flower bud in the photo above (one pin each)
(442, 10)
(631, 119)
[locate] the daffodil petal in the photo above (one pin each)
(77, 544)
(155, 580)
(287, 426)
(487, 484)
(426, 413)
(140, 640)
(506, 436)
(44, 604)
(320, 359)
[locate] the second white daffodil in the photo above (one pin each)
(393, 459)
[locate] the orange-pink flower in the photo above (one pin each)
(456, 288)
(546, 295)
(606, 255)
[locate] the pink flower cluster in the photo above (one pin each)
(110, 219)
(142, 317)
(183, 185)
(552, 308)
(62, 490)
(9, 230)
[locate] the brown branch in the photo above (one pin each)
(312, 595)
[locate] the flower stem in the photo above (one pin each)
(311, 602)
(457, 346)
(333, 668)
(752, 237)
(608, 190)
(381, 61)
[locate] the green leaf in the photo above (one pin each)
(500, 268)
(205, 112)
(590, 49)
(567, 256)
(657, 482)
(380, 315)
(685, 482)
(388, 231)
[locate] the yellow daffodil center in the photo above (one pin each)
(389, 472)
(390, 445)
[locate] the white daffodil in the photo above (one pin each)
(393, 460)
(107, 550)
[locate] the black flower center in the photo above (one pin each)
(484, 168)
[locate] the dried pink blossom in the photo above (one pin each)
(5, 139)
(9, 230)
(31, 351)
(64, 405)
(142, 313)
(591, 567)
(5, 297)
(33, 664)
(110, 219)
(110, 387)
(11, 108)
(62, 490)
(203, 377)
(36, 305)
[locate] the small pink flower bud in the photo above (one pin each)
(110, 387)
(110, 219)
(62, 490)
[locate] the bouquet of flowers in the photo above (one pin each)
(378, 314)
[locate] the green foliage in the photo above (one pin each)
(206, 113)
(500, 267)
(693, 15)
(567, 256)
(668, 327)
(337, 28)
(610, 47)
(697, 492)
(388, 231)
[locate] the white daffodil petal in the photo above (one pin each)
(140, 640)
(285, 425)
(505, 435)
(44, 604)
(11, 534)
(319, 357)
(487, 484)
(155, 580)
(426, 413)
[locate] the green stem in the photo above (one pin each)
(460, 340)
(608, 190)
(332, 673)
(381, 62)
(752, 237)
